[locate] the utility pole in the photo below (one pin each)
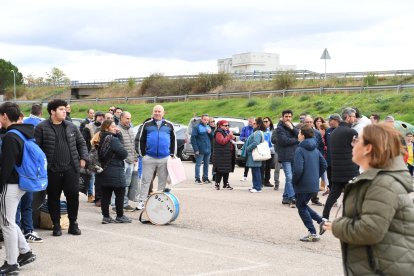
(14, 84)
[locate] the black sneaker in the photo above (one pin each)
(268, 184)
(227, 187)
(217, 186)
(57, 230)
(321, 230)
(206, 181)
(26, 258)
(317, 203)
(276, 187)
(74, 229)
(197, 181)
(7, 269)
(123, 219)
(33, 237)
(285, 201)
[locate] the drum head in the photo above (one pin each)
(161, 208)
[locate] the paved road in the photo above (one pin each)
(217, 233)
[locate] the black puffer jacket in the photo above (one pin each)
(343, 169)
(46, 137)
(287, 141)
(223, 155)
(113, 175)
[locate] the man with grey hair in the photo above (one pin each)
(128, 141)
(157, 143)
(342, 166)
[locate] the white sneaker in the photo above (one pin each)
(254, 191)
(140, 206)
(243, 179)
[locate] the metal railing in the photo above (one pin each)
(248, 94)
(268, 75)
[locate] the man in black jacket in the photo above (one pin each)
(287, 141)
(10, 193)
(66, 153)
(343, 169)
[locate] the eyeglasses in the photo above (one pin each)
(225, 125)
(354, 141)
(212, 122)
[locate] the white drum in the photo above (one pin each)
(162, 208)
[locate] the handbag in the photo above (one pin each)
(262, 151)
(176, 170)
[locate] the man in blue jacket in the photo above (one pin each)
(157, 143)
(200, 140)
(309, 166)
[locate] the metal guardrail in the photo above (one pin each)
(267, 75)
(248, 94)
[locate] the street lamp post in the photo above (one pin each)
(14, 84)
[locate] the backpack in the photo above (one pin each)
(103, 150)
(94, 164)
(33, 170)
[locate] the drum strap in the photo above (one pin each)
(142, 220)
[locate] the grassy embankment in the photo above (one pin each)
(400, 105)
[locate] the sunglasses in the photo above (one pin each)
(212, 122)
(265, 121)
(225, 125)
(111, 109)
(354, 141)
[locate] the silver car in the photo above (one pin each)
(236, 126)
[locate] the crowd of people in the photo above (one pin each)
(367, 159)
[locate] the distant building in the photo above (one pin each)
(252, 62)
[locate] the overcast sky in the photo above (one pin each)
(107, 39)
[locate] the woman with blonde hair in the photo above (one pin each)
(376, 229)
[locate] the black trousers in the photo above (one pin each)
(68, 182)
(265, 170)
(246, 171)
(106, 200)
(335, 191)
(225, 177)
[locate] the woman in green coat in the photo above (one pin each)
(377, 224)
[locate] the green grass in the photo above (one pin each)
(389, 102)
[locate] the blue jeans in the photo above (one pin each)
(257, 178)
(91, 183)
(206, 159)
(288, 193)
(25, 207)
(306, 213)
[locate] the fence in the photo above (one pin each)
(248, 94)
(268, 75)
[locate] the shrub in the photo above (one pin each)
(370, 80)
(251, 103)
(284, 80)
(274, 104)
(304, 98)
(406, 97)
(319, 105)
(131, 83)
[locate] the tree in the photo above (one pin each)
(6, 75)
(57, 77)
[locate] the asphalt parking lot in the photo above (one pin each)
(216, 233)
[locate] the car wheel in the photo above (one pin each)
(182, 155)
